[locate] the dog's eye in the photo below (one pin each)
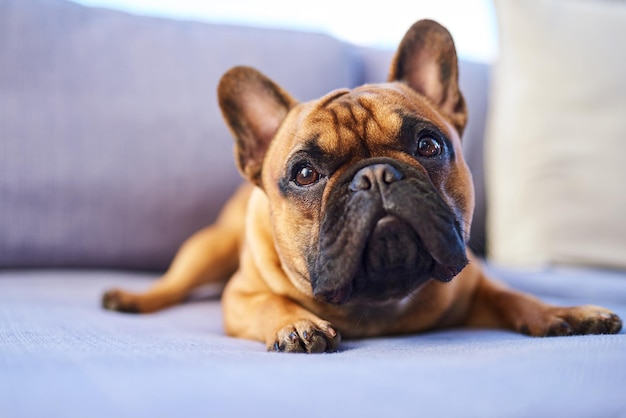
(428, 146)
(306, 175)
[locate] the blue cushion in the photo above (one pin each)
(62, 356)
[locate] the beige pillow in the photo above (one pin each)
(556, 135)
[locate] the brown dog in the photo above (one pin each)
(357, 219)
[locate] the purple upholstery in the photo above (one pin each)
(112, 147)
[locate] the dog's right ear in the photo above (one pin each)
(254, 108)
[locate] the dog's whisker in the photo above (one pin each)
(356, 326)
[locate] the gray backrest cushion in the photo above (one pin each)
(112, 146)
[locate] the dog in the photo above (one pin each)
(355, 217)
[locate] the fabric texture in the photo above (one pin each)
(63, 356)
(556, 134)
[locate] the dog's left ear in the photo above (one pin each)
(254, 107)
(426, 61)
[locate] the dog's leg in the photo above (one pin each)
(254, 311)
(210, 255)
(495, 305)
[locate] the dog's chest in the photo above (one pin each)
(364, 320)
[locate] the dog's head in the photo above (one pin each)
(369, 194)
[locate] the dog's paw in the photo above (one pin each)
(304, 336)
(579, 320)
(119, 300)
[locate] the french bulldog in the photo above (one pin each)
(355, 217)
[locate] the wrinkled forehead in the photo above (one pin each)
(371, 116)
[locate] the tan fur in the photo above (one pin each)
(263, 237)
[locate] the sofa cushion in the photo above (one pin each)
(112, 146)
(62, 356)
(556, 134)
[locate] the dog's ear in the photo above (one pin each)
(426, 61)
(254, 108)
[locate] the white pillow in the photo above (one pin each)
(556, 134)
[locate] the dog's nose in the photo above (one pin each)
(376, 174)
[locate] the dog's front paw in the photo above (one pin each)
(579, 320)
(304, 336)
(121, 301)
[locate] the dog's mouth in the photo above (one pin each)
(392, 244)
(377, 250)
(394, 263)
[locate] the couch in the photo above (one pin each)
(112, 152)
